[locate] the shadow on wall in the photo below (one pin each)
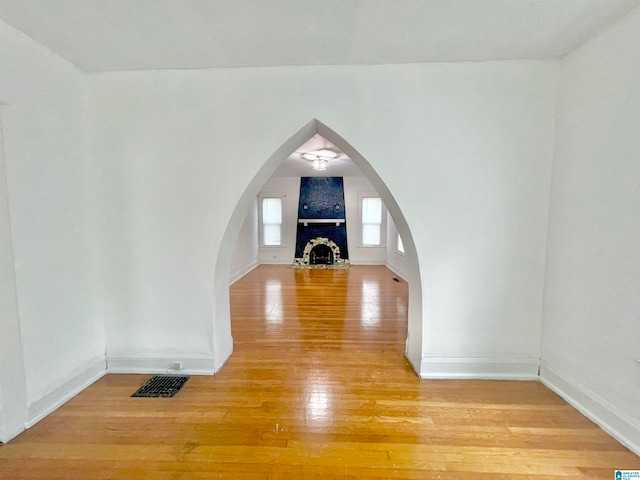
(222, 340)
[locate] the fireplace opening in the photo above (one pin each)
(320, 252)
(321, 255)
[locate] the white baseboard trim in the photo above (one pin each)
(201, 364)
(71, 386)
(414, 366)
(602, 413)
(398, 271)
(275, 261)
(363, 262)
(237, 275)
(481, 368)
(226, 351)
(6, 437)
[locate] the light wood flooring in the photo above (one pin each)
(317, 387)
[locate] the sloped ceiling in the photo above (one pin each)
(297, 166)
(105, 35)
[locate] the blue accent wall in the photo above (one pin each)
(323, 198)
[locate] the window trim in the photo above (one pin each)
(383, 223)
(398, 243)
(283, 226)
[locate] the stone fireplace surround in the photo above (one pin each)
(305, 261)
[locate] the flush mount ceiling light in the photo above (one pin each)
(319, 158)
(322, 153)
(319, 163)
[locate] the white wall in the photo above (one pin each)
(591, 332)
(245, 253)
(62, 338)
(464, 148)
(395, 261)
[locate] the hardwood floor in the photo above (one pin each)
(317, 387)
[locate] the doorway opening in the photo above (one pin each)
(222, 338)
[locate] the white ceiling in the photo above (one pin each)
(297, 166)
(102, 35)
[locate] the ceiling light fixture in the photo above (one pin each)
(324, 153)
(320, 158)
(319, 164)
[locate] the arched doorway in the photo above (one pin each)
(222, 340)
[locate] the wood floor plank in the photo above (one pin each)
(317, 388)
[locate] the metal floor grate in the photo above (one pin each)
(162, 386)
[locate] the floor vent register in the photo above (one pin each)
(162, 386)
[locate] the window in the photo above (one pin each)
(271, 221)
(372, 220)
(400, 245)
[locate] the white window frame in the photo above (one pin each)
(283, 225)
(398, 243)
(383, 224)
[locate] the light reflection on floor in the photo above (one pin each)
(273, 309)
(319, 406)
(370, 304)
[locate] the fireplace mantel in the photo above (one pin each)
(307, 221)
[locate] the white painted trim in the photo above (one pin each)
(366, 262)
(307, 221)
(237, 275)
(199, 364)
(275, 261)
(396, 269)
(607, 416)
(7, 436)
(383, 221)
(225, 351)
(486, 368)
(413, 365)
(283, 226)
(71, 386)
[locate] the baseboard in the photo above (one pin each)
(363, 262)
(398, 271)
(414, 366)
(71, 386)
(485, 368)
(7, 436)
(201, 364)
(235, 276)
(225, 350)
(602, 413)
(275, 261)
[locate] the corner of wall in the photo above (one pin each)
(594, 81)
(613, 421)
(69, 387)
(396, 268)
(241, 272)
